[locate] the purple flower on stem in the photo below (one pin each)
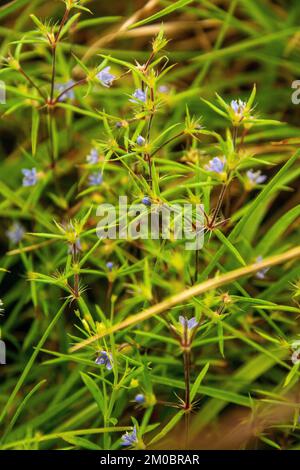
(109, 265)
(63, 90)
(238, 106)
(105, 359)
(105, 77)
(95, 179)
(130, 438)
(139, 398)
(189, 324)
(216, 165)
(30, 177)
(140, 140)
(15, 233)
(262, 273)
(163, 89)
(255, 177)
(93, 157)
(138, 95)
(146, 200)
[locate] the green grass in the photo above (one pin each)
(63, 304)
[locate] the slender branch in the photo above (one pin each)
(197, 265)
(63, 21)
(148, 156)
(167, 142)
(76, 275)
(186, 356)
(219, 204)
(54, 45)
(80, 82)
(187, 404)
(53, 72)
(42, 95)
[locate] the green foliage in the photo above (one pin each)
(141, 336)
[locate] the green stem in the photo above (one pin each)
(53, 72)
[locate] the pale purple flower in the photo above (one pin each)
(93, 157)
(95, 179)
(30, 177)
(138, 95)
(15, 233)
(255, 177)
(109, 265)
(130, 438)
(189, 324)
(140, 140)
(146, 200)
(262, 273)
(238, 107)
(163, 89)
(139, 398)
(216, 165)
(105, 359)
(105, 77)
(296, 357)
(296, 354)
(63, 88)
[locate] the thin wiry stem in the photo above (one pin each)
(53, 74)
(148, 156)
(76, 275)
(219, 204)
(40, 92)
(63, 21)
(167, 142)
(80, 82)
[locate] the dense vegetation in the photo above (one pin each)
(141, 342)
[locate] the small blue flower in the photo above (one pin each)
(163, 89)
(93, 157)
(130, 438)
(30, 177)
(105, 77)
(262, 273)
(109, 265)
(216, 165)
(238, 107)
(95, 179)
(255, 177)
(61, 87)
(139, 95)
(146, 200)
(105, 359)
(140, 140)
(15, 233)
(139, 398)
(189, 324)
